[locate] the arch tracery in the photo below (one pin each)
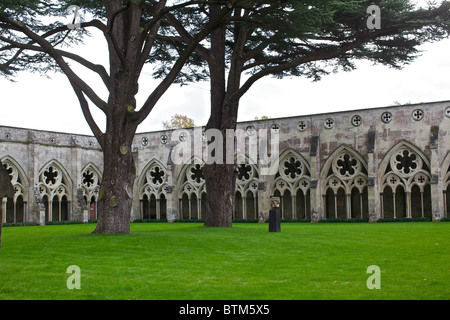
(344, 190)
(292, 184)
(16, 208)
(153, 191)
(55, 189)
(405, 183)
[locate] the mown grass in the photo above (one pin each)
(174, 261)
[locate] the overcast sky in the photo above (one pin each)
(36, 102)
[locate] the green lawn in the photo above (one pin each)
(245, 262)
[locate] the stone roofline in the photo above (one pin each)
(64, 139)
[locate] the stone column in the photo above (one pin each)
(408, 204)
(75, 171)
(437, 201)
(158, 208)
(373, 197)
(32, 170)
(172, 195)
(82, 204)
(348, 205)
(42, 217)
(315, 185)
(294, 205)
(263, 201)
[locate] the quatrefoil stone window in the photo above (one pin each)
(386, 117)
(421, 179)
(301, 126)
(361, 182)
(417, 114)
(163, 139)
(329, 123)
(356, 120)
(393, 180)
(244, 172)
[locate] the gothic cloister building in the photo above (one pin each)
(389, 162)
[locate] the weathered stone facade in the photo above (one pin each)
(373, 163)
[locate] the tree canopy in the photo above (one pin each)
(178, 121)
(290, 38)
(35, 36)
(232, 43)
(306, 38)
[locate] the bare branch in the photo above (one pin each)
(149, 34)
(110, 37)
(310, 57)
(87, 114)
(99, 69)
(164, 85)
(200, 50)
(57, 56)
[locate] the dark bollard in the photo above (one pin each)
(274, 221)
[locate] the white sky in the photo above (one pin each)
(36, 102)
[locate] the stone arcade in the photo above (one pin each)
(390, 162)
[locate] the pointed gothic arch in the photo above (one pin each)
(152, 185)
(55, 187)
(292, 183)
(404, 176)
(16, 208)
(191, 186)
(246, 191)
(344, 187)
(90, 185)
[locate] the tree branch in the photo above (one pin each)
(112, 41)
(185, 35)
(139, 116)
(56, 55)
(99, 135)
(310, 57)
(150, 30)
(99, 69)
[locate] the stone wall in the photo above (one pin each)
(383, 162)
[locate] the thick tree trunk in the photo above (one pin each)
(219, 187)
(220, 182)
(116, 189)
(220, 178)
